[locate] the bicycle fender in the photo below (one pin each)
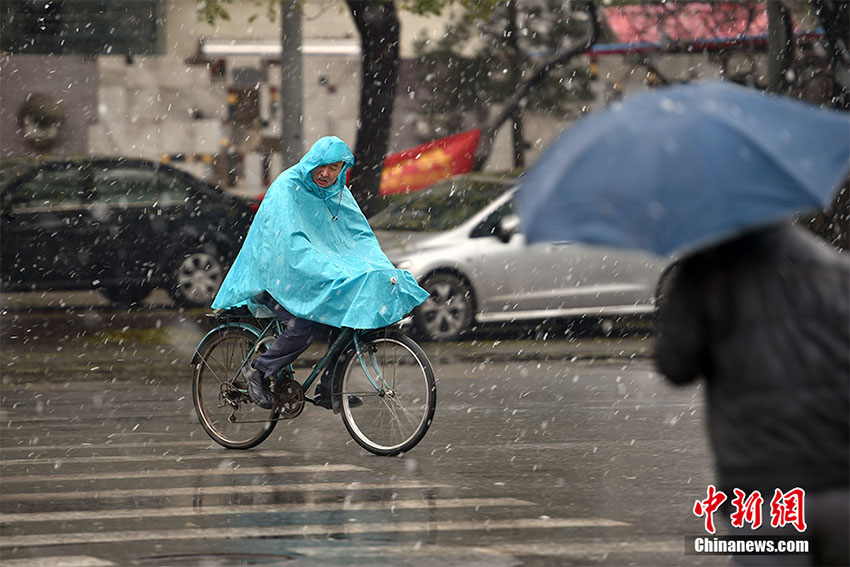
(336, 383)
(346, 355)
(212, 334)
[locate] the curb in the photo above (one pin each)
(490, 350)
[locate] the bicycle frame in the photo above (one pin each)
(386, 397)
(374, 362)
(346, 336)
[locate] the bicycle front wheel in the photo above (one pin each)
(395, 382)
(220, 393)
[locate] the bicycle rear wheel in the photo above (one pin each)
(220, 392)
(395, 382)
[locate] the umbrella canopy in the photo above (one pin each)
(675, 169)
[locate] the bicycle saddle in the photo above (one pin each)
(232, 313)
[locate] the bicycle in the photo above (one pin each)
(386, 369)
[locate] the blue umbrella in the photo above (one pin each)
(679, 168)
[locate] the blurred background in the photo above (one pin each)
(199, 83)
(194, 103)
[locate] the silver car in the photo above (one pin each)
(460, 239)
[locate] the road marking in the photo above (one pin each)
(214, 490)
(131, 459)
(172, 473)
(352, 528)
(588, 547)
(391, 505)
(31, 419)
(65, 561)
(582, 549)
(85, 446)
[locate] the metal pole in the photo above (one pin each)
(291, 83)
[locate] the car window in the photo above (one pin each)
(172, 188)
(125, 185)
(47, 189)
(128, 185)
(9, 173)
(490, 225)
(443, 206)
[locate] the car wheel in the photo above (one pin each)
(196, 277)
(448, 311)
(126, 295)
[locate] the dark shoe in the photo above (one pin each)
(259, 387)
(323, 400)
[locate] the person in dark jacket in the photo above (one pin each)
(765, 320)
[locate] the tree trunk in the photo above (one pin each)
(779, 46)
(518, 140)
(834, 16)
(512, 43)
(378, 25)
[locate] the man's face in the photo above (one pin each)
(325, 175)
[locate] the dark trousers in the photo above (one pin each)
(296, 335)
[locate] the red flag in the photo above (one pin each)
(419, 167)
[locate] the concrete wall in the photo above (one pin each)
(154, 106)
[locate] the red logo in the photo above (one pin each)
(788, 509)
(708, 506)
(785, 508)
(747, 510)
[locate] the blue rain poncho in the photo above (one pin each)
(312, 249)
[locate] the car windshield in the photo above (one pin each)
(442, 206)
(9, 172)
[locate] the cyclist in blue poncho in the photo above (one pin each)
(311, 259)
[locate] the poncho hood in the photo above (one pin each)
(314, 252)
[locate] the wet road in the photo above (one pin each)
(566, 451)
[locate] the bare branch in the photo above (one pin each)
(511, 104)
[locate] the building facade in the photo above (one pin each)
(149, 79)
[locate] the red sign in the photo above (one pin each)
(686, 22)
(423, 165)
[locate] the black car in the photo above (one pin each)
(120, 226)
